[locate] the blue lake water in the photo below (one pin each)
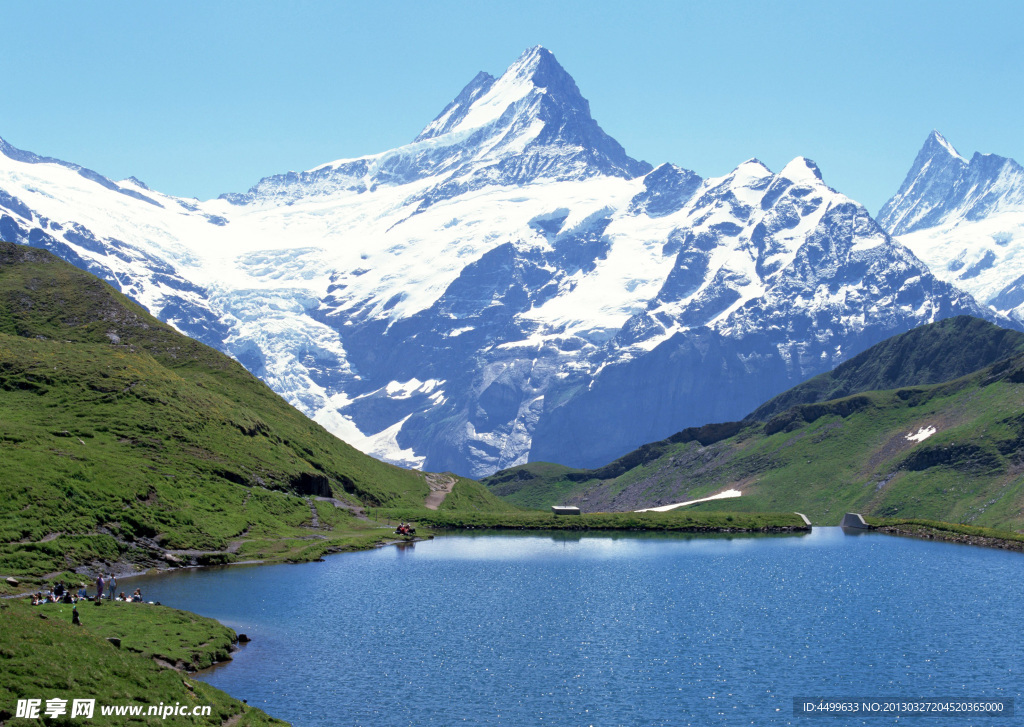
(566, 630)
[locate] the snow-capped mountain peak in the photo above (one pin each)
(942, 187)
(752, 168)
(26, 157)
(937, 141)
(534, 110)
(530, 124)
(924, 196)
(802, 171)
(454, 114)
(965, 219)
(486, 100)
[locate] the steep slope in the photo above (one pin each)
(509, 286)
(965, 219)
(120, 436)
(930, 354)
(951, 451)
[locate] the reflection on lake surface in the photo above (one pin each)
(577, 629)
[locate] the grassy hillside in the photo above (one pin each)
(122, 439)
(827, 458)
(930, 354)
(43, 656)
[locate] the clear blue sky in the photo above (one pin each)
(200, 98)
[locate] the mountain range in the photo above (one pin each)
(512, 286)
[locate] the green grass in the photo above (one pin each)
(51, 658)
(535, 485)
(177, 637)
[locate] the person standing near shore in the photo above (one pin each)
(113, 587)
(99, 588)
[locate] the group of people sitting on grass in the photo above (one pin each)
(58, 593)
(61, 593)
(405, 529)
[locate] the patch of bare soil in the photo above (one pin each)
(440, 486)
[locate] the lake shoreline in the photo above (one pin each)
(587, 594)
(925, 532)
(672, 521)
(156, 559)
(911, 529)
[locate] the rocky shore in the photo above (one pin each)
(950, 536)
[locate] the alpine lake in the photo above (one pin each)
(570, 629)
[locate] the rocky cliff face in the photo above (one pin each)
(510, 285)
